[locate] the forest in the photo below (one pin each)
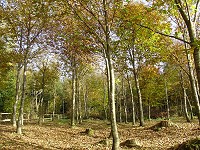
(100, 74)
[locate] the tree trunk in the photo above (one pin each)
(41, 106)
(21, 111)
(190, 24)
(104, 101)
(73, 93)
(120, 108)
(167, 100)
(80, 109)
(191, 111)
(125, 103)
(111, 94)
(141, 115)
(16, 95)
(184, 97)
(132, 101)
(193, 84)
(54, 104)
(185, 105)
(85, 99)
(149, 110)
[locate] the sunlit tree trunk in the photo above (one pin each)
(149, 110)
(125, 102)
(191, 24)
(85, 99)
(73, 92)
(191, 110)
(21, 111)
(184, 97)
(111, 94)
(167, 100)
(104, 101)
(16, 95)
(137, 85)
(132, 100)
(41, 106)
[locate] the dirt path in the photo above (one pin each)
(54, 136)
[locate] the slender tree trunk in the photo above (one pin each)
(149, 110)
(167, 100)
(104, 101)
(185, 105)
(120, 108)
(193, 84)
(85, 98)
(184, 96)
(41, 106)
(132, 56)
(190, 24)
(16, 95)
(21, 111)
(80, 106)
(77, 98)
(73, 93)
(111, 94)
(191, 111)
(132, 101)
(54, 104)
(125, 103)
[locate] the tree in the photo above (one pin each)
(99, 26)
(26, 21)
(138, 48)
(186, 12)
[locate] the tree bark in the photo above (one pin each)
(54, 103)
(73, 92)
(132, 101)
(16, 95)
(149, 110)
(190, 24)
(85, 99)
(104, 101)
(184, 97)
(137, 85)
(111, 94)
(125, 103)
(167, 100)
(21, 111)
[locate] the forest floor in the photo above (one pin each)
(59, 135)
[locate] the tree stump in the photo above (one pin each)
(89, 132)
(160, 125)
(132, 143)
(164, 123)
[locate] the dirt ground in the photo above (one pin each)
(59, 135)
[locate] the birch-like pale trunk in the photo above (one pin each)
(73, 93)
(16, 95)
(132, 100)
(21, 110)
(167, 100)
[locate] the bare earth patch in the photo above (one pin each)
(54, 136)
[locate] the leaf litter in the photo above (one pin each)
(54, 136)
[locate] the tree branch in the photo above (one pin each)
(171, 36)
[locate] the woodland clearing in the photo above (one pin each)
(59, 135)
